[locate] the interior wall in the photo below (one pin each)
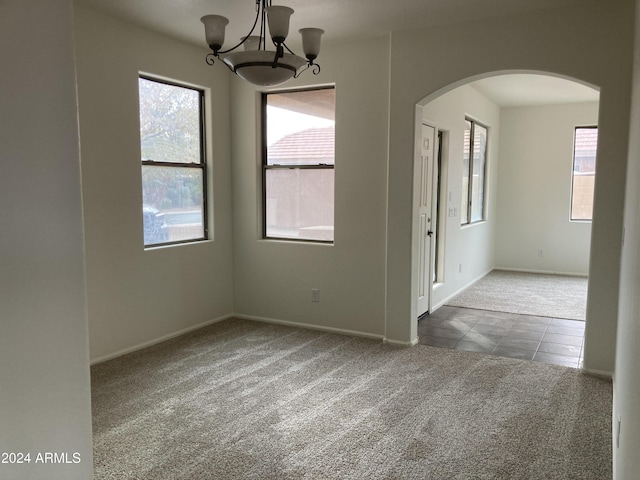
(534, 192)
(427, 62)
(139, 296)
(45, 403)
(626, 386)
(273, 279)
(469, 251)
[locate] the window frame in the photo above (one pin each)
(468, 220)
(202, 165)
(573, 166)
(266, 167)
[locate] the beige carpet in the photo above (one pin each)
(245, 400)
(557, 296)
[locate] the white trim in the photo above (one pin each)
(597, 373)
(545, 272)
(161, 339)
(444, 302)
(412, 343)
(341, 331)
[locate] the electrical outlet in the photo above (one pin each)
(315, 295)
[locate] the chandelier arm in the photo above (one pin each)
(301, 71)
(288, 49)
(244, 39)
(315, 70)
(278, 54)
(233, 70)
(210, 58)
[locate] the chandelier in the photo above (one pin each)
(256, 64)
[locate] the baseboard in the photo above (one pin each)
(597, 373)
(161, 339)
(543, 272)
(460, 290)
(412, 343)
(439, 304)
(341, 331)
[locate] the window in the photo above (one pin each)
(298, 164)
(173, 163)
(585, 143)
(473, 172)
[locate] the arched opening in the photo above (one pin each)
(499, 173)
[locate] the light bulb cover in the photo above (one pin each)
(214, 26)
(311, 41)
(251, 43)
(278, 18)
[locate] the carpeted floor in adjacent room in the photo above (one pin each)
(246, 400)
(545, 295)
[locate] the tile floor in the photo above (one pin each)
(541, 339)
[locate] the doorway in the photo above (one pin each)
(520, 232)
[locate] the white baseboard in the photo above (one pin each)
(341, 331)
(597, 373)
(412, 343)
(161, 339)
(464, 287)
(544, 272)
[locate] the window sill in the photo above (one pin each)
(297, 241)
(472, 224)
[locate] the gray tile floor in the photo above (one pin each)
(541, 339)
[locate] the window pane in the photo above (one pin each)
(479, 164)
(300, 132)
(169, 122)
(173, 206)
(313, 146)
(584, 173)
(300, 203)
(300, 127)
(464, 205)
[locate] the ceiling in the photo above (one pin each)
(519, 90)
(341, 19)
(345, 20)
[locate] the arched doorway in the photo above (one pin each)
(518, 215)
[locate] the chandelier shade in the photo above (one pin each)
(214, 30)
(311, 41)
(278, 18)
(256, 64)
(256, 67)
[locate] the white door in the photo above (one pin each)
(427, 223)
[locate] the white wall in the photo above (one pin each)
(534, 193)
(45, 403)
(428, 62)
(626, 391)
(137, 296)
(273, 279)
(367, 278)
(470, 247)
